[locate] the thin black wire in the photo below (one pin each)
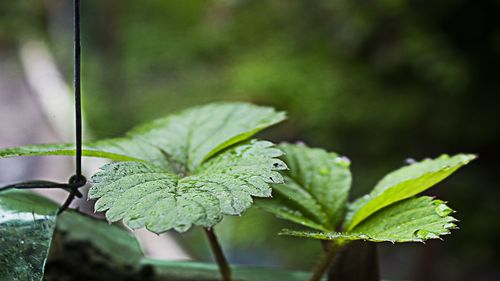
(43, 184)
(77, 88)
(78, 180)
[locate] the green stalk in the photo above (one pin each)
(220, 259)
(325, 261)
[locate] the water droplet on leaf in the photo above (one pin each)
(410, 161)
(442, 210)
(425, 234)
(342, 160)
(450, 226)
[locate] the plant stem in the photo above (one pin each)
(325, 261)
(221, 260)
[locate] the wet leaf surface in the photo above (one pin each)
(189, 168)
(404, 183)
(27, 223)
(412, 220)
(315, 190)
(144, 195)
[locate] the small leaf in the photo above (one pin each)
(410, 220)
(146, 195)
(278, 208)
(315, 190)
(27, 222)
(404, 183)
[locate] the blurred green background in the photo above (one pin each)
(377, 81)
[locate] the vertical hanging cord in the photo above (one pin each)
(77, 85)
(77, 180)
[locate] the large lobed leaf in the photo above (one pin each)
(188, 168)
(315, 190)
(145, 195)
(404, 183)
(410, 220)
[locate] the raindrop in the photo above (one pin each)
(425, 234)
(363, 236)
(342, 160)
(181, 227)
(442, 210)
(410, 161)
(450, 226)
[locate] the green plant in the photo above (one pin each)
(194, 167)
(85, 248)
(315, 196)
(187, 169)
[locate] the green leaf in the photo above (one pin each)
(179, 142)
(404, 183)
(315, 190)
(196, 134)
(277, 207)
(146, 195)
(187, 271)
(111, 240)
(192, 166)
(410, 220)
(27, 222)
(119, 149)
